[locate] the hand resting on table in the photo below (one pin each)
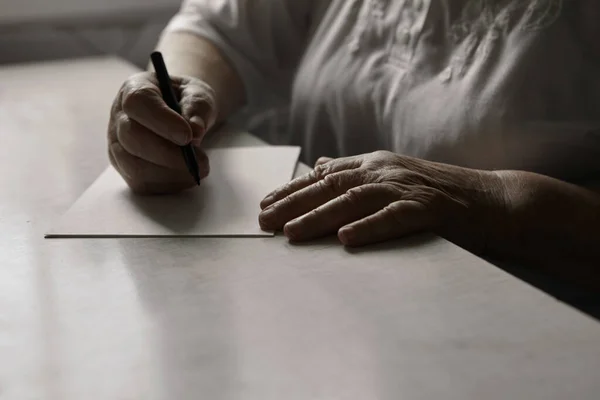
(382, 195)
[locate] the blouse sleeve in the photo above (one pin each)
(263, 39)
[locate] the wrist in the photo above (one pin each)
(477, 222)
(541, 211)
(504, 219)
(190, 55)
(492, 211)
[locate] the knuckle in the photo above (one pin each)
(287, 201)
(379, 159)
(392, 212)
(140, 79)
(342, 181)
(382, 154)
(354, 195)
(136, 95)
(322, 160)
(199, 105)
(330, 183)
(320, 172)
(117, 150)
(123, 122)
(137, 77)
(392, 208)
(283, 191)
(193, 102)
(124, 128)
(276, 194)
(195, 85)
(281, 195)
(197, 98)
(135, 81)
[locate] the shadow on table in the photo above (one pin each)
(583, 299)
(575, 296)
(178, 213)
(410, 242)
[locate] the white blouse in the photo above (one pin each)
(511, 89)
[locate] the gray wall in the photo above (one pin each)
(40, 30)
(35, 30)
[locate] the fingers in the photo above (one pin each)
(140, 142)
(145, 134)
(316, 175)
(143, 102)
(145, 177)
(198, 106)
(355, 204)
(304, 200)
(399, 218)
(323, 160)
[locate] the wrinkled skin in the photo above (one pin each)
(382, 195)
(145, 135)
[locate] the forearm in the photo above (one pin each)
(191, 55)
(551, 224)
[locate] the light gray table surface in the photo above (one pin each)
(244, 318)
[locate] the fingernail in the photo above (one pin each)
(266, 215)
(289, 230)
(347, 234)
(198, 126)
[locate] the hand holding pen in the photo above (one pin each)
(154, 132)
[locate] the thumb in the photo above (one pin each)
(198, 106)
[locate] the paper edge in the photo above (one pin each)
(54, 235)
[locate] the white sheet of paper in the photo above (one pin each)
(225, 204)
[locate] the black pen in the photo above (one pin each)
(164, 82)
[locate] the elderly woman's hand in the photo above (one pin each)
(382, 195)
(145, 135)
